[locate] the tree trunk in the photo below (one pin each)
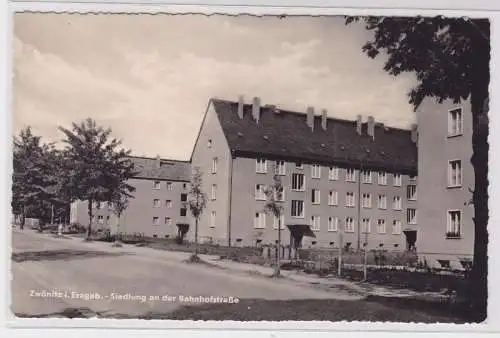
(278, 252)
(89, 229)
(196, 238)
(479, 274)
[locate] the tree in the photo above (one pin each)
(33, 176)
(450, 58)
(274, 207)
(100, 167)
(197, 202)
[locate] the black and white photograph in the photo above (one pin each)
(196, 167)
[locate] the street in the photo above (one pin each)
(51, 275)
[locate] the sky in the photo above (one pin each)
(149, 77)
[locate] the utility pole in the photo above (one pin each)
(339, 272)
(365, 256)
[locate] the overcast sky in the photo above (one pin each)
(149, 77)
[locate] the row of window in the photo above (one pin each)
(298, 211)
(333, 173)
(333, 224)
(350, 201)
(170, 186)
(168, 203)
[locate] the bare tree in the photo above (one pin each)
(197, 203)
(274, 207)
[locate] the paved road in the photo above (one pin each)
(70, 269)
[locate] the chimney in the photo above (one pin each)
(241, 102)
(310, 117)
(324, 118)
(371, 127)
(358, 124)
(256, 109)
(414, 133)
(158, 161)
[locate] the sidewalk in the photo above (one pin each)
(330, 283)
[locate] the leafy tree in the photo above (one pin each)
(197, 202)
(450, 57)
(275, 208)
(33, 177)
(99, 165)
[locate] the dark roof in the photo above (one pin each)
(161, 169)
(286, 135)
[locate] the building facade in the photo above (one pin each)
(446, 181)
(159, 205)
(339, 177)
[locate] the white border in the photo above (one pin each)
(357, 7)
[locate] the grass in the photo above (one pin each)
(373, 309)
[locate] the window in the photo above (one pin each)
(411, 216)
(397, 180)
(349, 200)
(365, 223)
(366, 176)
(214, 165)
(299, 165)
(367, 201)
(110, 205)
(156, 185)
(98, 205)
(454, 225)
(169, 186)
(333, 197)
(413, 178)
(298, 182)
(168, 221)
(184, 197)
(209, 143)
(280, 168)
(382, 201)
(260, 192)
(411, 192)
(214, 192)
(168, 204)
(107, 219)
(100, 219)
(333, 223)
(333, 173)
(382, 178)
(455, 173)
(261, 165)
(455, 125)
(381, 226)
(297, 209)
(260, 220)
(316, 171)
(279, 222)
(212, 219)
(350, 175)
(349, 224)
(396, 227)
(156, 203)
(315, 223)
(183, 212)
(279, 194)
(156, 220)
(315, 196)
(396, 203)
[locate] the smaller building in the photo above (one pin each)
(159, 205)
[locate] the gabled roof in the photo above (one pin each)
(286, 135)
(161, 169)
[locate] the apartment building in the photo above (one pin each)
(159, 204)
(350, 181)
(446, 182)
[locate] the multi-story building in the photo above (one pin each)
(159, 204)
(340, 177)
(446, 182)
